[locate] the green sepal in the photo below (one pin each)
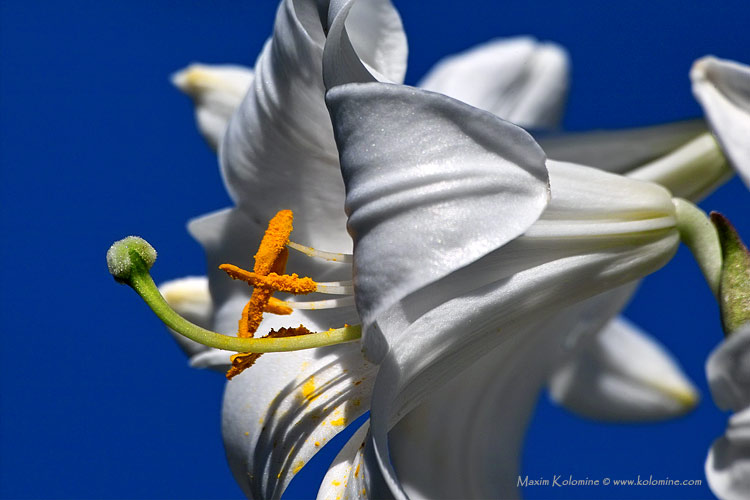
(734, 287)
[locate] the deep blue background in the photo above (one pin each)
(96, 144)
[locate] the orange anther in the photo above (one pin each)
(266, 278)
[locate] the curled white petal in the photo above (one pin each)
(278, 151)
(623, 375)
(723, 89)
(365, 42)
(518, 79)
(217, 91)
(456, 187)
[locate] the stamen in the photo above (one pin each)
(320, 304)
(336, 287)
(344, 258)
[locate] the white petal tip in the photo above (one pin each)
(624, 375)
(198, 79)
(183, 78)
(185, 292)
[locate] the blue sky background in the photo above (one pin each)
(97, 401)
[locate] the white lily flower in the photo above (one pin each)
(519, 69)
(306, 396)
(723, 89)
(518, 79)
(728, 461)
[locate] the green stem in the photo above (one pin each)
(700, 236)
(140, 280)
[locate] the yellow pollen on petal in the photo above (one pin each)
(356, 471)
(298, 466)
(308, 389)
(339, 421)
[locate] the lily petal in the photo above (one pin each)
(728, 371)
(620, 150)
(481, 415)
(723, 89)
(217, 91)
(623, 375)
(278, 151)
(728, 462)
(518, 79)
(447, 182)
(365, 42)
(345, 479)
(191, 299)
(278, 414)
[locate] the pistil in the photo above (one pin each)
(130, 259)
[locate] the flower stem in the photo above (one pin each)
(700, 236)
(138, 278)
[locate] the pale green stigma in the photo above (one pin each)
(121, 260)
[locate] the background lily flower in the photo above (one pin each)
(216, 92)
(723, 89)
(728, 373)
